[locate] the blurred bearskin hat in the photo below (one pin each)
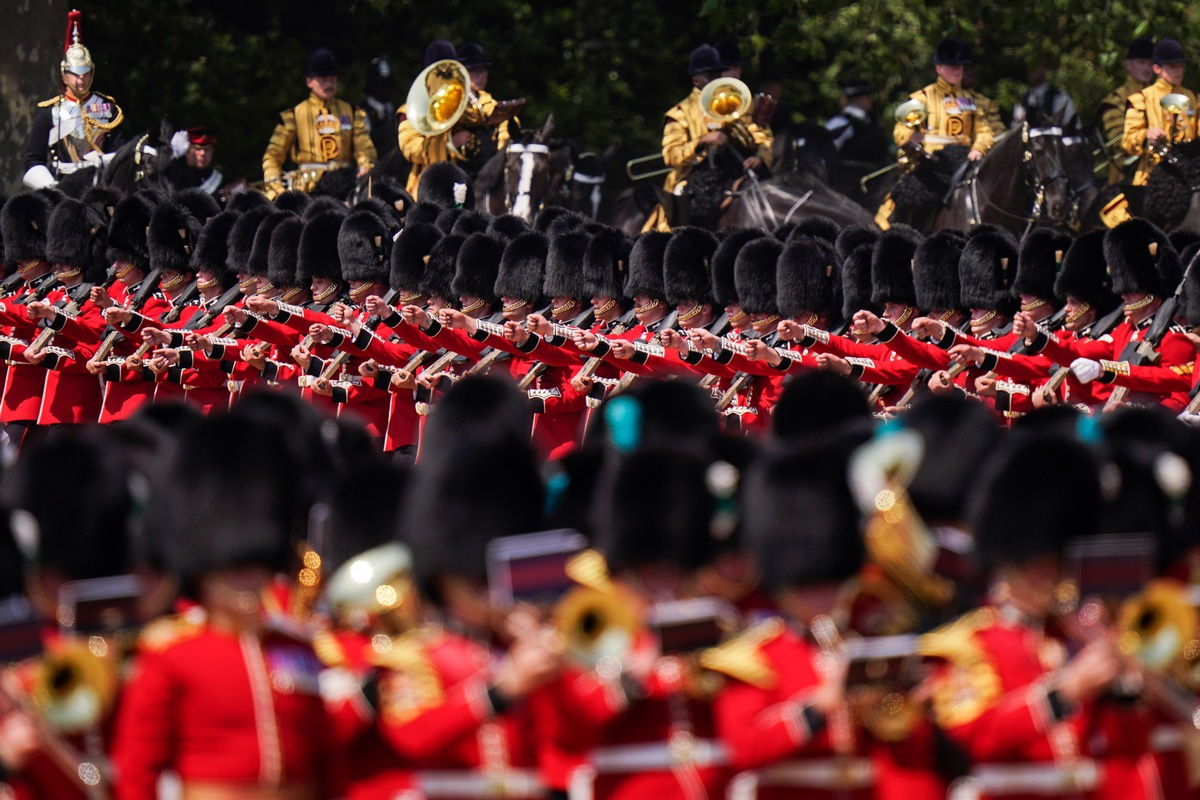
(724, 287)
(202, 205)
(249, 201)
(507, 227)
(283, 254)
(476, 268)
(1085, 275)
(807, 279)
(261, 249)
(856, 282)
(440, 182)
(523, 268)
(76, 238)
(985, 271)
(687, 266)
(318, 253)
(962, 434)
(1141, 259)
(852, 237)
(364, 246)
(292, 200)
(438, 278)
(172, 237)
(212, 248)
(241, 239)
(127, 232)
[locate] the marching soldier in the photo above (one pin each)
(72, 131)
(323, 131)
(1139, 68)
(1150, 130)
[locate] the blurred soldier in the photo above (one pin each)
(462, 143)
(71, 130)
(195, 169)
(321, 130)
(859, 138)
(1149, 128)
(1139, 68)
(1044, 103)
(380, 106)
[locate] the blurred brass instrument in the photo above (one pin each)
(1174, 106)
(440, 96)
(912, 114)
(375, 590)
(729, 102)
(596, 619)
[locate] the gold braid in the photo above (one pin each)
(93, 129)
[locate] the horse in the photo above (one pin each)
(1020, 183)
(137, 164)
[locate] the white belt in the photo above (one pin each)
(1046, 779)
(934, 138)
(657, 756)
(465, 783)
(1166, 738)
(824, 773)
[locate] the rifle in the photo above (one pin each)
(171, 315)
(144, 293)
(341, 356)
(75, 299)
(668, 323)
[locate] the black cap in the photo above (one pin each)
(704, 58)
(1141, 47)
(470, 54)
(439, 50)
(731, 54)
(321, 63)
(952, 53)
(380, 75)
(853, 89)
(1168, 51)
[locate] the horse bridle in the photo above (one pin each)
(521, 205)
(595, 181)
(1037, 183)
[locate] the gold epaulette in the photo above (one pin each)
(741, 657)
(167, 632)
(52, 101)
(329, 650)
(413, 684)
(971, 685)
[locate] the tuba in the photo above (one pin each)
(440, 97)
(729, 102)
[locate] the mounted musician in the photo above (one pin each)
(1161, 115)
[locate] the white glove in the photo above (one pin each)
(39, 177)
(1085, 369)
(179, 143)
(1191, 420)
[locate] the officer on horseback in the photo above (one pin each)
(954, 116)
(1151, 127)
(320, 134)
(72, 130)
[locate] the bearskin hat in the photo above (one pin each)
(1040, 257)
(439, 183)
(386, 214)
(393, 196)
(546, 217)
(892, 266)
(292, 200)
(803, 482)
(850, 238)
(172, 238)
(606, 264)
(76, 237)
(422, 212)
(318, 253)
(507, 227)
(261, 249)
(935, 271)
(409, 254)
(1015, 520)
(202, 205)
(523, 268)
(822, 405)
(323, 203)
(725, 291)
(817, 227)
(127, 232)
(103, 199)
(807, 279)
(564, 265)
(646, 266)
(438, 277)
(212, 248)
(1084, 274)
(1183, 238)
(754, 275)
(1141, 259)
(687, 266)
(985, 271)
(465, 222)
(241, 239)
(856, 282)
(249, 201)
(476, 268)
(962, 433)
(283, 253)
(364, 247)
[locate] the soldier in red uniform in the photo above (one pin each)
(225, 699)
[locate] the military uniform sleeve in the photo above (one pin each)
(37, 146)
(277, 149)
(423, 150)
(1112, 117)
(764, 138)
(678, 147)
(1133, 141)
(364, 148)
(145, 729)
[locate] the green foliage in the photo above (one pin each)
(607, 69)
